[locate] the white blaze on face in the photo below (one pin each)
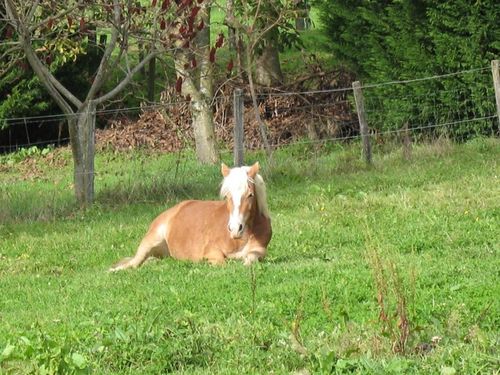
(235, 224)
(236, 185)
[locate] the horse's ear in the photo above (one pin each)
(254, 169)
(224, 169)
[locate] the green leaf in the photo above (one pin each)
(79, 360)
(448, 370)
(7, 351)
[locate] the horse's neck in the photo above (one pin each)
(256, 214)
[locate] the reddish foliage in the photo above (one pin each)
(220, 40)
(153, 3)
(230, 65)
(165, 4)
(178, 85)
(70, 21)
(163, 25)
(83, 26)
(50, 23)
(201, 25)
(212, 55)
(194, 12)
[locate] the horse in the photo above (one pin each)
(236, 227)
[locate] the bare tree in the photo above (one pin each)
(126, 22)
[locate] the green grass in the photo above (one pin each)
(312, 305)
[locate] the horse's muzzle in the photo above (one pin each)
(236, 234)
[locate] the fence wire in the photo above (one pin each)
(448, 104)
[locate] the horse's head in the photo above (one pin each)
(238, 189)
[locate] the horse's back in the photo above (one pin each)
(191, 227)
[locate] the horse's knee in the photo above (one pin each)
(254, 256)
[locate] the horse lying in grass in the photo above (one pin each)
(237, 227)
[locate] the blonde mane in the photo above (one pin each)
(237, 180)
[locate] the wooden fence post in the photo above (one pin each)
(238, 127)
(363, 124)
(495, 71)
(406, 142)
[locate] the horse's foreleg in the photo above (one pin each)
(153, 244)
(215, 257)
(254, 255)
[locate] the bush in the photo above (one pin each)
(393, 40)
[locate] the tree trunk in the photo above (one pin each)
(83, 146)
(151, 80)
(268, 67)
(204, 136)
(198, 84)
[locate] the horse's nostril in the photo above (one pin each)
(240, 228)
(229, 227)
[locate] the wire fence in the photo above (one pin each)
(450, 104)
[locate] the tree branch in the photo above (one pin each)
(127, 79)
(39, 68)
(103, 66)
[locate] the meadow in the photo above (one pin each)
(387, 269)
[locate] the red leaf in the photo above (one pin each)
(163, 25)
(50, 23)
(178, 84)
(201, 25)
(230, 65)
(212, 55)
(220, 40)
(182, 30)
(190, 24)
(153, 3)
(195, 11)
(165, 4)
(70, 21)
(82, 25)
(193, 63)
(185, 44)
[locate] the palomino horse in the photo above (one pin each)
(238, 227)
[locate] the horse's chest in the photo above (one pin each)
(239, 250)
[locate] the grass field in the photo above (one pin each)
(419, 239)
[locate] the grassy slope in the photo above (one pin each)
(436, 218)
